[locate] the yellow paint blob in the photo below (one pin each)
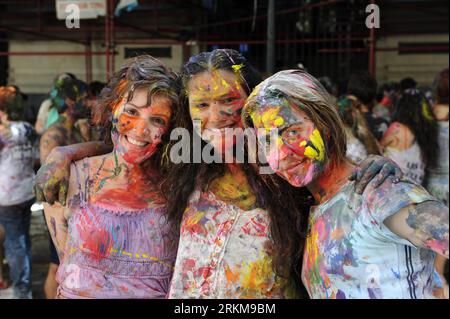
(318, 152)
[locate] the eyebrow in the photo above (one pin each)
(154, 114)
(138, 107)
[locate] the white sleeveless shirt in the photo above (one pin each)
(410, 161)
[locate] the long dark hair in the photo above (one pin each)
(286, 205)
(414, 111)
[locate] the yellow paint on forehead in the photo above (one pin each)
(269, 120)
(217, 84)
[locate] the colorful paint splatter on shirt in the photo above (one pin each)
(225, 252)
(116, 254)
(350, 253)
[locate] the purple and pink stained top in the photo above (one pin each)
(116, 254)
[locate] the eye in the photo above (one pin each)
(131, 111)
(159, 121)
(202, 105)
(228, 100)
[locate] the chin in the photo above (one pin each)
(300, 177)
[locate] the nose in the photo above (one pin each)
(284, 151)
(215, 114)
(143, 128)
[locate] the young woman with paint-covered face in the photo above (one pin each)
(380, 244)
(227, 247)
(113, 237)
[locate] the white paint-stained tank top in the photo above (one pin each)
(410, 161)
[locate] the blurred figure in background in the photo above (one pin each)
(386, 100)
(364, 87)
(437, 175)
(411, 140)
(331, 87)
(16, 193)
(69, 99)
(90, 132)
(437, 178)
(47, 109)
(360, 140)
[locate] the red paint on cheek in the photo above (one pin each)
(296, 145)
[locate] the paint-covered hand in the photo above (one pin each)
(52, 179)
(376, 168)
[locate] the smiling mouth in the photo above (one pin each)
(134, 142)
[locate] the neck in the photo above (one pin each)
(329, 182)
(121, 170)
(234, 168)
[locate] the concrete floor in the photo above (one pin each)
(40, 258)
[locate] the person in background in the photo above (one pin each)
(68, 97)
(88, 131)
(16, 188)
(407, 84)
(330, 86)
(386, 101)
(437, 176)
(360, 140)
(364, 87)
(47, 110)
(411, 140)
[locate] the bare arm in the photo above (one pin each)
(52, 179)
(57, 226)
(57, 216)
(425, 225)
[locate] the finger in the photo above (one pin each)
(366, 176)
(63, 188)
(398, 175)
(353, 176)
(39, 194)
(362, 169)
(50, 193)
(385, 172)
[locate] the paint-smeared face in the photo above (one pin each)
(138, 126)
(216, 98)
(299, 152)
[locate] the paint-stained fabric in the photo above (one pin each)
(17, 164)
(356, 151)
(437, 176)
(350, 253)
(410, 161)
(224, 252)
(116, 254)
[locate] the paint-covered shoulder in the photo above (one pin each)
(391, 197)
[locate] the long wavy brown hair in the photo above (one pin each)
(287, 206)
(142, 72)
